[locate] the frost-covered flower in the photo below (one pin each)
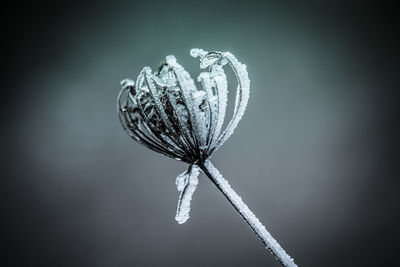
(165, 111)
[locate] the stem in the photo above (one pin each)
(237, 202)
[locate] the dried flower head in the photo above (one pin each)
(166, 112)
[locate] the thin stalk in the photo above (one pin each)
(237, 202)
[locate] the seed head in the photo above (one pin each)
(166, 112)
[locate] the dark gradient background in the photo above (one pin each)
(314, 157)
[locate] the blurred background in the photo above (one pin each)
(314, 156)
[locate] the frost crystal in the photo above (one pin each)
(165, 111)
(248, 215)
(186, 183)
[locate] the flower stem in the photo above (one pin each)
(237, 202)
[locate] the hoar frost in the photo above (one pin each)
(186, 183)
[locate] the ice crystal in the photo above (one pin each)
(186, 183)
(248, 215)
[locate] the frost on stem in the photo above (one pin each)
(247, 214)
(186, 183)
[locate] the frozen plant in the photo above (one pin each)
(167, 113)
